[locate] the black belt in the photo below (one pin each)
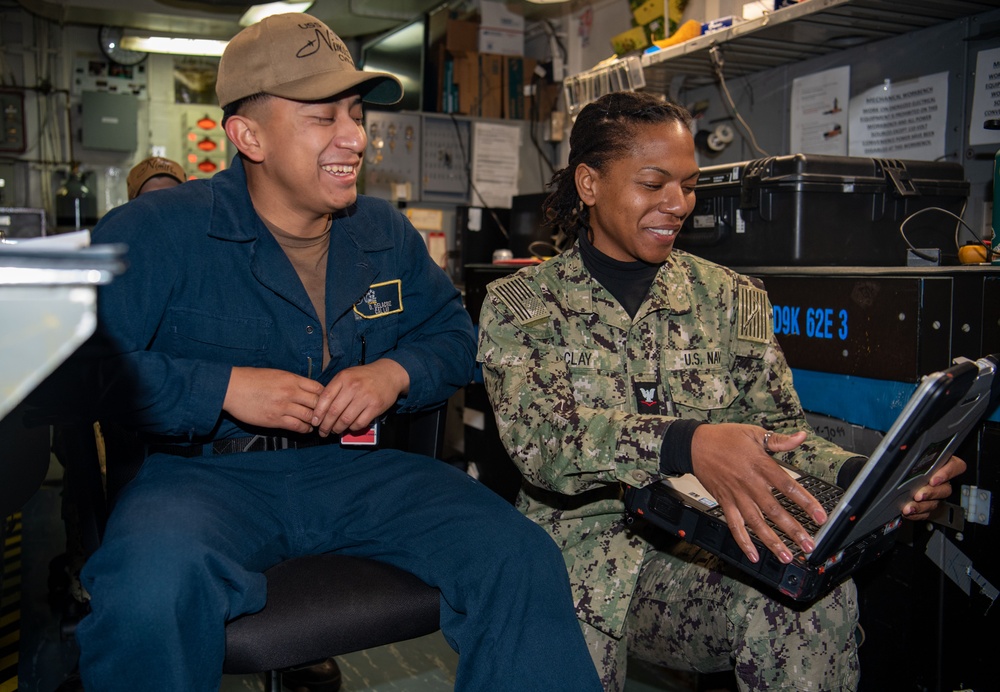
(235, 445)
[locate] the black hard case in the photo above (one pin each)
(814, 210)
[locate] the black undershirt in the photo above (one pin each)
(629, 283)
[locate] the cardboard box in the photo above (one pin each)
(461, 36)
(478, 81)
(465, 78)
(448, 37)
(501, 41)
(497, 14)
(491, 82)
(470, 66)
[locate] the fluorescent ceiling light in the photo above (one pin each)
(174, 46)
(258, 12)
(209, 47)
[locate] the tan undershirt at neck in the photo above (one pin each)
(308, 256)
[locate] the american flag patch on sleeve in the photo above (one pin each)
(752, 314)
(520, 299)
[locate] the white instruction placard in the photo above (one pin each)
(496, 157)
(904, 120)
(819, 112)
(986, 98)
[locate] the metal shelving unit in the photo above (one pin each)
(806, 30)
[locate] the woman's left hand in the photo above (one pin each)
(927, 497)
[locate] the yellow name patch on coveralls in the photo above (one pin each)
(381, 299)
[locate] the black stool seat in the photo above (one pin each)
(327, 605)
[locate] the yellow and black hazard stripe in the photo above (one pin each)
(10, 606)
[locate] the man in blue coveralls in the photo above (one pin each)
(265, 314)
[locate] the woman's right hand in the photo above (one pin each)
(731, 462)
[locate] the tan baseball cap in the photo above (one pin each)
(296, 56)
(150, 168)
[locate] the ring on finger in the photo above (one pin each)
(766, 442)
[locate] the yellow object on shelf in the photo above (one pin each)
(972, 253)
(627, 41)
(688, 30)
(647, 12)
(675, 12)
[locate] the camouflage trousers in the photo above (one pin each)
(691, 612)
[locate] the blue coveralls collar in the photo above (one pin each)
(350, 267)
(231, 199)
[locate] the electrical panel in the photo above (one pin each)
(110, 121)
(18, 222)
(392, 159)
(446, 154)
(12, 108)
(204, 145)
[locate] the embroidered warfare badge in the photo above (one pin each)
(381, 299)
(518, 296)
(752, 314)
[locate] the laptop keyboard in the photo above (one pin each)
(825, 493)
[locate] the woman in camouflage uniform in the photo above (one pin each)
(621, 361)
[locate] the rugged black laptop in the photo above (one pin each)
(861, 519)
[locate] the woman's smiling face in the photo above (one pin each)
(639, 201)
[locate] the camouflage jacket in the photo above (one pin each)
(571, 379)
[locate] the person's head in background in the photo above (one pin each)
(631, 177)
(153, 173)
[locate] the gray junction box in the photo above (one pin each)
(110, 121)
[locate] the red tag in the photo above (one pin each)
(365, 438)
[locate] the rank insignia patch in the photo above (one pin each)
(381, 299)
(647, 399)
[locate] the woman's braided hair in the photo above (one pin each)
(604, 131)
